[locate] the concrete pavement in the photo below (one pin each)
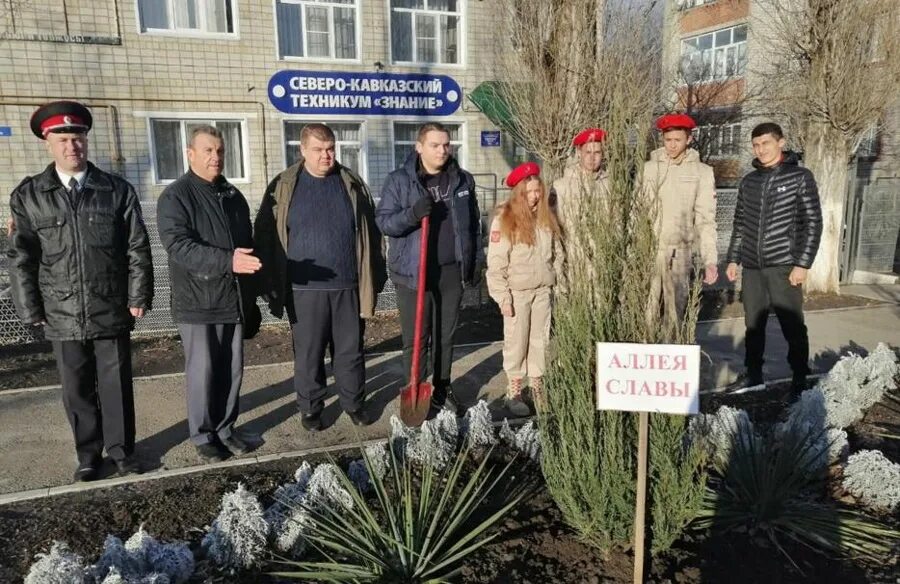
(36, 443)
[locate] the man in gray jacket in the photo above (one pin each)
(204, 224)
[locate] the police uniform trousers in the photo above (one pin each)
(670, 285)
(526, 334)
(214, 369)
(98, 395)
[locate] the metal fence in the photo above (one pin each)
(158, 321)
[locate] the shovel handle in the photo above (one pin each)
(420, 305)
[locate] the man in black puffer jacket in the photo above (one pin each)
(204, 224)
(80, 267)
(775, 237)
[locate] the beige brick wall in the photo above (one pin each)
(192, 76)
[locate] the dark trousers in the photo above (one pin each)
(324, 318)
(765, 288)
(214, 370)
(98, 395)
(443, 295)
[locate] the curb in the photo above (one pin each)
(44, 493)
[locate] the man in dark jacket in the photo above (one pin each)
(80, 267)
(323, 259)
(204, 224)
(431, 183)
(777, 227)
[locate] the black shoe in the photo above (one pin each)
(517, 408)
(746, 380)
(212, 452)
(444, 398)
(87, 471)
(128, 465)
(360, 417)
(312, 421)
(798, 386)
(237, 446)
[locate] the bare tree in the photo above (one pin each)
(832, 67)
(556, 76)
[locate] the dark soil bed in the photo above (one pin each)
(32, 365)
(534, 546)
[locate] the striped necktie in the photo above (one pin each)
(73, 186)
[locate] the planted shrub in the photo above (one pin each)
(378, 459)
(528, 441)
(418, 530)
(359, 475)
(856, 383)
(237, 538)
(873, 479)
(715, 433)
(766, 488)
(59, 566)
(478, 425)
(435, 442)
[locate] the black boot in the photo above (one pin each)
(747, 379)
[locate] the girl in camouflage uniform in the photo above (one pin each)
(523, 253)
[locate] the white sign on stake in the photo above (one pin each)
(648, 378)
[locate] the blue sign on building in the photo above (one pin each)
(490, 138)
(5, 131)
(369, 94)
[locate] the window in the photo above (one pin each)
(687, 4)
(716, 55)
(187, 16)
(168, 145)
(317, 29)
(720, 140)
(348, 144)
(426, 31)
(405, 140)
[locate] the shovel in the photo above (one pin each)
(415, 398)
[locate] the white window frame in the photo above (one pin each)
(463, 41)
(688, 4)
(212, 118)
(357, 5)
(740, 71)
(363, 169)
(463, 141)
(188, 32)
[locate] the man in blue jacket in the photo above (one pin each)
(775, 236)
(431, 183)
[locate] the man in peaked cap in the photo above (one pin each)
(685, 191)
(80, 267)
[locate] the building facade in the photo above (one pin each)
(151, 69)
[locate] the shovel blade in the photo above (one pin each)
(415, 402)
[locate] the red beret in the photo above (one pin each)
(589, 135)
(61, 116)
(522, 172)
(681, 121)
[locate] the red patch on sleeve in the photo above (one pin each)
(495, 236)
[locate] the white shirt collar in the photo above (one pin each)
(78, 176)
